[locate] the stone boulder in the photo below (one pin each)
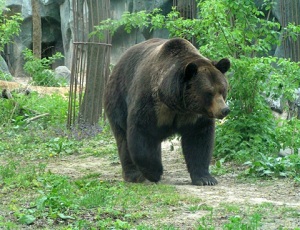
(62, 72)
(4, 71)
(3, 66)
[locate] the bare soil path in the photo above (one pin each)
(281, 193)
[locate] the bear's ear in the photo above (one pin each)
(223, 65)
(190, 71)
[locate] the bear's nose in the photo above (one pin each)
(225, 111)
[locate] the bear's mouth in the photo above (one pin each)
(220, 116)
(216, 116)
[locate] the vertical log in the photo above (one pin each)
(36, 29)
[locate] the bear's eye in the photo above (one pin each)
(209, 95)
(223, 93)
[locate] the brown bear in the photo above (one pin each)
(162, 87)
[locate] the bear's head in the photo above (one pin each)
(197, 87)
(205, 87)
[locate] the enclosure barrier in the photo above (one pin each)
(90, 62)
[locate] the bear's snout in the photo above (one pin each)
(225, 111)
(218, 109)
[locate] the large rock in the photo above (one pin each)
(3, 66)
(67, 30)
(4, 71)
(62, 72)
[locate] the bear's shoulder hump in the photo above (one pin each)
(178, 45)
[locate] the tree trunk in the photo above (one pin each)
(36, 29)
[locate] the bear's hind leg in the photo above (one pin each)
(145, 152)
(130, 172)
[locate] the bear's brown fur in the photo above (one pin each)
(158, 88)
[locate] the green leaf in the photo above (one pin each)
(64, 217)
(27, 219)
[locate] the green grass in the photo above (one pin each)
(56, 201)
(34, 197)
(37, 198)
(246, 217)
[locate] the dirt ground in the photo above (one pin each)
(230, 190)
(23, 83)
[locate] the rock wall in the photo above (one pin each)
(51, 33)
(121, 40)
(287, 11)
(58, 29)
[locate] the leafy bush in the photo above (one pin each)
(239, 29)
(288, 133)
(5, 76)
(267, 167)
(24, 107)
(9, 25)
(250, 128)
(245, 34)
(39, 69)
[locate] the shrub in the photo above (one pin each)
(9, 25)
(39, 69)
(246, 35)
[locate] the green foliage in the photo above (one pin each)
(58, 198)
(13, 174)
(240, 30)
(40, 138)
(236, 222)
(9, 25)
(288, 132)
(233, 223)
(235, 28)
(60, 145)
(39, 69)
(23, 107)
(8, 170)
(291, 31)
(5, 76)
(250, 123)
(176, 25)
(288, 166)
(245, 34)
(32, 196)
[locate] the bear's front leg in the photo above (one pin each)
(197, 146)
(145, 151)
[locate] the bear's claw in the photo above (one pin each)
(134, 177)
(206, 180)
